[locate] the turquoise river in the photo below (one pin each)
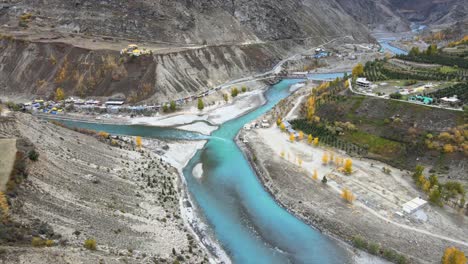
(244, 218)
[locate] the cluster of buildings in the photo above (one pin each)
(39, 105)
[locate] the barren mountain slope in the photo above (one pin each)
(81, 187)
(187, 21)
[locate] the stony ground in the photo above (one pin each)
(125, 198)
(7, 159)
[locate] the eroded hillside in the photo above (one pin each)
(36, 68)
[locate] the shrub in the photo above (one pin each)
(324, 180)
(33, 155)
(173, 106)
(374, 248)
(103, 135)
(359, 242)
(38, 242)
(49, 243)
(234, 92)
(201, 105)
(90, 244)
(396, 96)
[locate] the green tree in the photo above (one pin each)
(173, 106)
(165, 108)
(414, 51)
(244, 89)
(234, 92)
(324, 180)
(201, 105)
(226, 97)
(434, 196)
(431, 50)
(418, 172)
(434, 180)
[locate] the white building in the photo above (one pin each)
(450, 100)
(414, 205)
(363, 83)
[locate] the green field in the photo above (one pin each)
(375, 144)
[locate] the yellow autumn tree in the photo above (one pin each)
(138, 141)
(448, 148)
(332, 157)
(292, 137)
(453, 255)
(311, 108)
(299, 161)
(325, 159)
(348, 167)
(315, 175)
(316, 141)
(347, 195)
(282, 154)
(279, 121)
(358, 70)
(310, 138)
(301, 135)
(4, 207)
(426, 186)
(283, 127)
(59, 94)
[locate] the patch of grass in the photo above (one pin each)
(447, 69)
(375, 144)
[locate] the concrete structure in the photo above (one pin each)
(115, 102)
(363, 83)
(414, 205)
(452, 101)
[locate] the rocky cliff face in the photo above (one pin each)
(190, 21)
(215, 41)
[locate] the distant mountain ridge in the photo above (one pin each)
(397, 15)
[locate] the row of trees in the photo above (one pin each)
(434, 56)
(326, 136)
